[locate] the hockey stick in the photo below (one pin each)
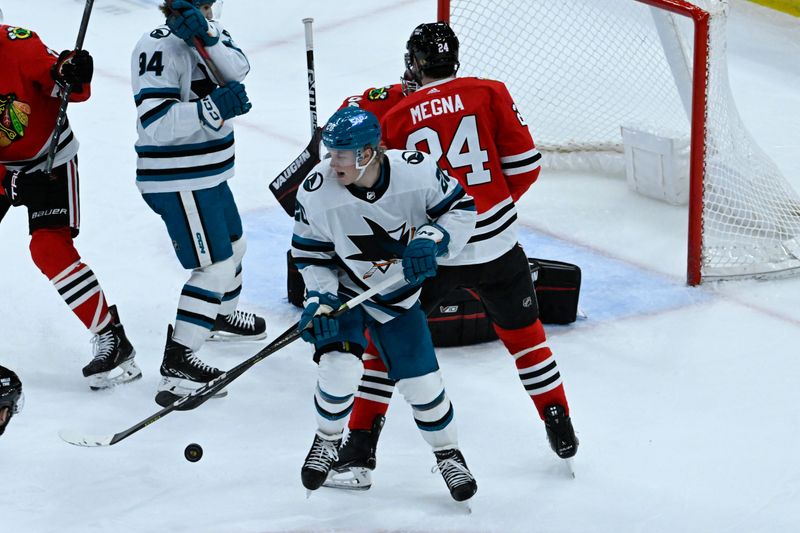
(284, 186)
(61, 120)
(202, 394)
(312, 78)
(204, 55)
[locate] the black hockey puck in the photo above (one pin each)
(193, 452)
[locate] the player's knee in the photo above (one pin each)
(52, 250)
(339, 373)
(215, 277)
(520, 338)
(422, 390)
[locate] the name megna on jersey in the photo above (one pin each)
(435, 107)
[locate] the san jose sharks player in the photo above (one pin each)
(362, 215)
(185, 157)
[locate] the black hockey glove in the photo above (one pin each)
(21, 187)
(74, 67)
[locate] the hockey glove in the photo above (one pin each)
(74, 67)
(419, 257)
(20, 187)
(186, 21)
(223, 103)
(315, 323)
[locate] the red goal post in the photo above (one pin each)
(744, 217)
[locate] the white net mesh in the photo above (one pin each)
(579, 69)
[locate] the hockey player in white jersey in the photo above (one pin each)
(185, 157)
(361, 216)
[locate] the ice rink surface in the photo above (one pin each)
(685, 399)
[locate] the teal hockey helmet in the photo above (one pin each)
(351, 128)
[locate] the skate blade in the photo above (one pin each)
(126, 372)
(570, 467)
(354, 478)
(465, 505)
(224, 336)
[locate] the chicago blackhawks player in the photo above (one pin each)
(33, 77)
(473, 128)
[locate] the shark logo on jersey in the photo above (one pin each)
(382, 247)
(413, 157)
(313, 182)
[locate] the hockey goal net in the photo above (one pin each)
(580, 69)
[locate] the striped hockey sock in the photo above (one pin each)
(81, 291)
(537, 367)
(374, 391)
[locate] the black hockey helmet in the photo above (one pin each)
(11, 396)
(435, 47)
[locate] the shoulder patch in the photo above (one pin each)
(18, 34)
(378, 93)
(413, 157)
(313, 182)
(160, 32)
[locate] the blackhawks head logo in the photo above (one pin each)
(13, 119)
(15, 33)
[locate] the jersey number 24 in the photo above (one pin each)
(463, 150)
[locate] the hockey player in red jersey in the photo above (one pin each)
(30, 87)
(479, 137)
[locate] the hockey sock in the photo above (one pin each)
(54, 253)
(230, 300)
(432, 409)
(336, 384)
(374, 392)
(200, 302)
(537, 367)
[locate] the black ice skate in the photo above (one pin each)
(320, 458)
(560, 434)
(182, 372)
(239, 326)
(351, 471)
(559, 431)
(113, 357)
(454, 470)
